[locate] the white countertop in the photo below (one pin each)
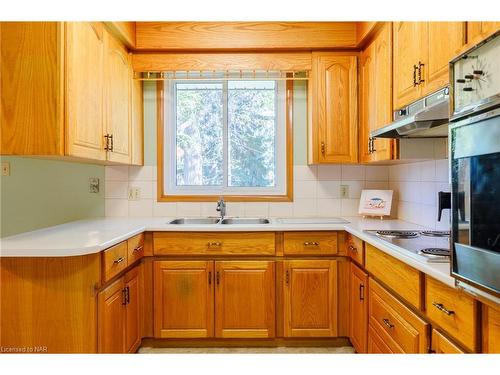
(91, 236)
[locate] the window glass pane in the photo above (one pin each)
(199, 130)
(251, 133)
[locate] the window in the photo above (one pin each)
(226, 137)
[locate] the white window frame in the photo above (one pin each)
(170, 178)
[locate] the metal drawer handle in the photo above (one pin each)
(311, 243)
(138, 249)
(215, 244)
(119, 260)
(352, 249)
(441, 307)
(388, 323)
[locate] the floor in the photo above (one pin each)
(261, 350)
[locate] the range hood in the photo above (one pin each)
(425, 118)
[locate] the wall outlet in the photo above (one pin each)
(5, 168)
(94, 185)
(134, 193)
(344, 191)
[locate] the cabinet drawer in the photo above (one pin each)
(135, 248)
(441, 345)
(453, 311)
(310, 243)
(376, 345)
(397, 325)
(355, 249)
(114, 260)
(398, 276)
(213, 243)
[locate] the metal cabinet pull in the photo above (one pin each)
(441, 307)
(214, 244)
(373, 145)
(420, 65)
(127, 295)
(137, 249)
(307, 243)
(415, 83)
(119, 260)
(287, 277)
(352, 249)
(388, 323)
(323, 148)
(111, 142)
(361, 292)
(209, 277)
(106, 143)
(124, 296)
(217, 277)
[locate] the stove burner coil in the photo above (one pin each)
(436, 251)
(435, 233)
(397, 234)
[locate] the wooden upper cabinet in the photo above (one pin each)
(422, 51)
(65, 85)
(85, 90)
(245, 299)
(111, 319)
(476, 31)
(118, 78)
(137, 141)
(358, 317)
(375, 74)
(310, 298)
(333, 126)
(31, 108)
(444, 41)
(409, 43)
(183, 299)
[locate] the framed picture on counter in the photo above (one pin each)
(375, 203)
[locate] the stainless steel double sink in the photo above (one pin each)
(215, 220)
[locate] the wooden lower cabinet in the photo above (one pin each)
(400, 329)
(491, 329)
(310, 298)
(442, 345)
(183, 299)
(358, 319)
(245, 299)
(119, 318)
(376, 345)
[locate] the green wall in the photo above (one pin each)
(299, 123)
(41, 193)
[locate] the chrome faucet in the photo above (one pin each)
(221, 207)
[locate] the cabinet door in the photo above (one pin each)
(491, 330)
(118, 99)
(409, 45)
(310, 297)
(132, 309)
(488, 28)
(334, 113)
(358, 327)
(84, 90)
(376, 96)
(376, 345)
(111, 318)
(245, 299)
(444, 41)
(137, 143)
(183, 299)
(441, 345)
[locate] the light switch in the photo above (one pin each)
(5, 168)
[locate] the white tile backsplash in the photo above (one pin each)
(316, 193)
(415, 188)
